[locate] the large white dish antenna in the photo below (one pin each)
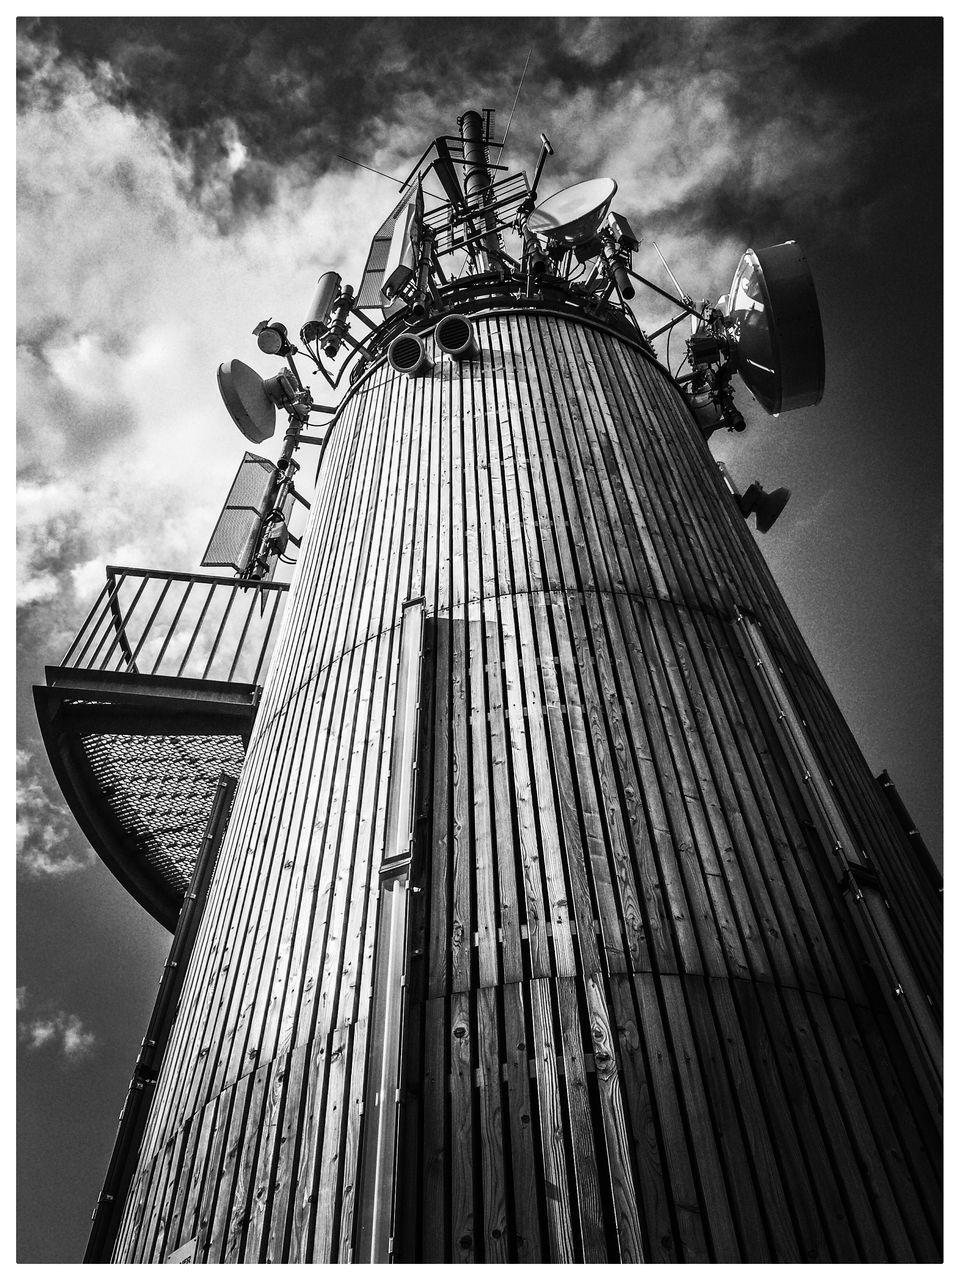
(247, 401)
(777, 337)
(573, 215)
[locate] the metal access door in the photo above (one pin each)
(381, 1109)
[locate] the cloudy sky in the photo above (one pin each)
(178, 181)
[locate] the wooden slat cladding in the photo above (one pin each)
(637, 1023)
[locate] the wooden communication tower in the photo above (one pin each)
(558, 917)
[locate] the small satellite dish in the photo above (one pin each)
(574, 215)
(776, 334)
(247, 401)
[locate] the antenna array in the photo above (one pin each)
(489, 238)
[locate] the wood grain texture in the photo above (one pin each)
(640, 1024)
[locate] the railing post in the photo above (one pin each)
(105, 628)
(94, 611)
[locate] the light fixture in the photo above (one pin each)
(272, 338)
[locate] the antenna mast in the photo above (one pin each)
(477, 183)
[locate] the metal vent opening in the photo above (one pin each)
(407, 354)
(455, 335)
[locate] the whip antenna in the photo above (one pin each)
(676, 283)
(380, 174)
(514, 107)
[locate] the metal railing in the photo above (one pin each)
(186, 625)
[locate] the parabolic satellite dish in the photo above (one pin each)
(573, 215)
(777, 337)
(247, 401)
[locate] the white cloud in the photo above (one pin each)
(46, 843)
(77, 1042)
(132, 291)
(130, 296)
(236, 151)
(57, 1030)
(40, 586)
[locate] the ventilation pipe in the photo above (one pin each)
(457, 337)
(407, 354)
(477, 183)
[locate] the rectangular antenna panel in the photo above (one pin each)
(401, 256)
(235, 532)
(372, 279)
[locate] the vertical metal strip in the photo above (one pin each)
(243, 634)
(112, 608)
(121, 624)
(171, 629)
(378, 1173)
(148, 624)
(196, 630)
(112, 1202)
(877, 931)
(88, 631)
(219, 635)
(267, 633)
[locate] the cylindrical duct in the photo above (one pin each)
(536, 260)
(617, 270)
(455, 336)
(542, 930)
(477, 182)
(335, 333)
(318, 314)
(407, 354)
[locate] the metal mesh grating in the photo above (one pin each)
(241, 515)
(161, 789)
(369, 295)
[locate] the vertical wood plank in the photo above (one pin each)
(463, 1224)
(581, 1120)
(556, 1182)
(526, 1211)
(496, 1236)
(437, 1149)
(654, 1202)
(630, 1246)
(275, 1245)
(621, 900)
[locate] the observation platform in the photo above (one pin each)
(154, 699)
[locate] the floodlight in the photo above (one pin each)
(272, 339)
(318, 315)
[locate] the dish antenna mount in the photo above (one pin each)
(767, 330)
(774, 329)
(573, 215)
(252, 401)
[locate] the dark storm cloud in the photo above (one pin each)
(299, 90)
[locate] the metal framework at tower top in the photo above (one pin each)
(436, 266)
(557, 916)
